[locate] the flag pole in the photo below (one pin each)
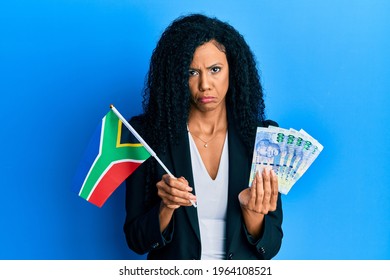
(142, 141)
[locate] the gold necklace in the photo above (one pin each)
(205, 142)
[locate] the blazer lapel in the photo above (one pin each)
(239, 169)
(181, 159)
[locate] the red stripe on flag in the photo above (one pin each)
(111, 180)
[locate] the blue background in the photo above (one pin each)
(324, 66)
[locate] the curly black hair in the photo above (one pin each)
(166, 100)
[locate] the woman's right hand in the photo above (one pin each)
(174, 192)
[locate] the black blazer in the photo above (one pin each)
(181, 240)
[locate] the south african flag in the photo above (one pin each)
(111, 156)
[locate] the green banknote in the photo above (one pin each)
(286, 151)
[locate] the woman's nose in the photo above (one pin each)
(204, 83)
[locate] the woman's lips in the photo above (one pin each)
(206, 99)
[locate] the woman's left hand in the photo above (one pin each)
(258, 200)
(262, 196)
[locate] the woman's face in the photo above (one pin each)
(208, 77)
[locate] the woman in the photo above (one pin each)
(202, 103)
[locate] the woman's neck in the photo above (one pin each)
(207, 123)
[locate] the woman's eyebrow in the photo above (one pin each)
(208, 67)
(214, 65)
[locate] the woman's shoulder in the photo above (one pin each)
(137, 122)
(267, 123)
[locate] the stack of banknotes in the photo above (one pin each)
(287, 151)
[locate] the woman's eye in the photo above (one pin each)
(215, 69)
(192, 72)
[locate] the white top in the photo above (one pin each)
(211, 197)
